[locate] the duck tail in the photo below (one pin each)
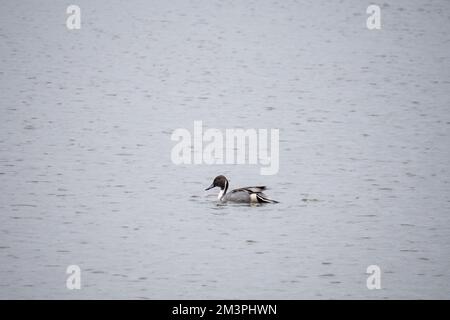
(264, 199)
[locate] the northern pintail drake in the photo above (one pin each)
(246, 195)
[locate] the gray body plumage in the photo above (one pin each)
(243, 194)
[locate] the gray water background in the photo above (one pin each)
(86, 176)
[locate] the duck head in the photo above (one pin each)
(219, 181)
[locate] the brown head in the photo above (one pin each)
(219, 181)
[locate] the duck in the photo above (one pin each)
(242, 195)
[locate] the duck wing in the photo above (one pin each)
(260, 196)
(255, 189)
(258, 191)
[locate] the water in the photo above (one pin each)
(85, 170)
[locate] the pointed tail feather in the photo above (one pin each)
(262, 198)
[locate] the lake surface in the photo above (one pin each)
(86, 176)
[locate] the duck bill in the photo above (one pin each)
(210, 187)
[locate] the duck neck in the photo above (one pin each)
(223, 191)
